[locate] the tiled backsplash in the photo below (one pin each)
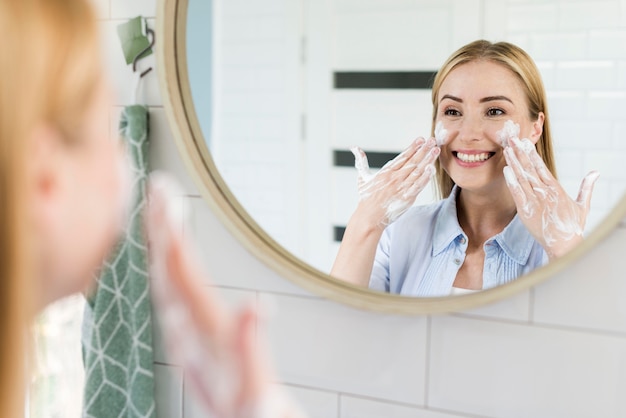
(557, 350)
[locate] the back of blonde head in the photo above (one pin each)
(49, 67)
(522, 65)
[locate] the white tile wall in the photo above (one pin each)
(347, 350)
(380, 120)
(168, 391)
(316, 403)
(353, 407)
(555, 351)
(579, 301)
(518, 371)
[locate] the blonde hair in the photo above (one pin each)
(50, 65)
(521, 64)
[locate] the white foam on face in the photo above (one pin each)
(509, 131)
(441, 134)
(525, 145)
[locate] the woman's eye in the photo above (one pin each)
(495, 112)
(451, 112)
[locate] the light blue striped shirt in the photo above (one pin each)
(421, 252)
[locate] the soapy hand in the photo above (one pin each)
(225, 363)
(392, 191)
(551, 216)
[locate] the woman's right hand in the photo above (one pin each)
(225, 358)
(386, 195)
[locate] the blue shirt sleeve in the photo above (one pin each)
(379, 280)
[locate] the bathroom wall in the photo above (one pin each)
(275, 66)
(558, 350)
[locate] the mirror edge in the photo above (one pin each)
(178, 104)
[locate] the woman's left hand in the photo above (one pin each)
(555, 220)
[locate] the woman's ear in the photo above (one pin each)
(537, 128)
(45, 174)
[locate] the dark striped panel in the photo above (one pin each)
(338, 232)
(384, 79)
(375, 159)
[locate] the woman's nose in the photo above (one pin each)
(470, 129)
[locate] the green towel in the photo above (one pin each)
(117, 329)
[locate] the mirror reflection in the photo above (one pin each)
(284, 92)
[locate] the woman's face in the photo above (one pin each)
(475, 101)
(81, 214)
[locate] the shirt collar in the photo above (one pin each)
(447, 227)
(515, 240)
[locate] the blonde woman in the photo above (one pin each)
(503, 213)
(62, 187)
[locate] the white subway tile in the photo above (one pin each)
(611, 163)
(619, 135)
(403, 39)
(252, 28)
(569, 163)
(589, 15)
(532, 17)
(353, 407)
(558, 46)
(245, 7)
(267, 129)
(314, 403)
(514, 308)
(607, 44)
(595, 218)
(495, 20)
(380, 120)
(618, 190)
(586, 75)
(265, 53)
(361, 6)
(466, 23)
(243, 79)
(321, 344)
(621, 81)
(220, 253)
(344, 198)
(496, 369)
(168, 391)
(253, 103)
(591, 298)
(566, 105)
(602, 106)
(582, 134)
(124, 9)
(164, 154)
(523, 40)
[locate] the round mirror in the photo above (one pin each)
(266, 100)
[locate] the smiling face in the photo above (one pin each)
(474, 102)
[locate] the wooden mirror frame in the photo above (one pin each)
(176, 92)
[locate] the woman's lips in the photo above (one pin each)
(472, 158)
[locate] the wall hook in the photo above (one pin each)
(150, 33)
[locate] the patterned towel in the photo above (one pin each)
(117, 329)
